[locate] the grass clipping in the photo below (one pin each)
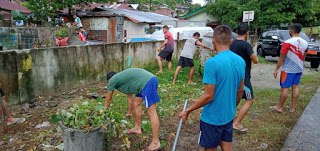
(86, 116)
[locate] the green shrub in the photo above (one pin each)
(62, 32)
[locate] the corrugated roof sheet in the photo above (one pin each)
(95, 5)
(139, 16)
(166, 12)
(7, 5)
(195, 12)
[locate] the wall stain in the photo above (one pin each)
(27, 63)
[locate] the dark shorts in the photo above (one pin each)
(248, 91)
(185, 62)
(212, 135)
(149, 93)
(165, 55)
(287, 80)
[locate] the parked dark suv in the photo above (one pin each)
(269, 44)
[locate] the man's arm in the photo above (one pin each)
(202, 45)
(254, 58)
(163, 44)
(108, 99)
(202, 101)
(240, 92)
(279, 64)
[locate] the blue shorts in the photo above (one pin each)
(212, 135)
(287, 80)
(149, 93)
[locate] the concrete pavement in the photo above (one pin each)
(305, 136)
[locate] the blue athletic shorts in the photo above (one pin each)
(287, 80)
(149, 93)
(212, 135)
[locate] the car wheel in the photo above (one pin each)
(260, 52)
(315, 64)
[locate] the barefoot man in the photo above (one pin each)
(145, 85)
(186, 56)
(166, 49)
(293, 52)
(223, 85)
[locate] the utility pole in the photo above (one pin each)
(150, 5)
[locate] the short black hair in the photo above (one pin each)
(243, 28)
(222, 34)
(296, 27)
(110, 75)
(196, 34)
(165, 26)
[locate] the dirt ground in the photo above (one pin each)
(26, 137)
(262, 74)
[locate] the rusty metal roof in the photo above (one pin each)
(139, 16)
(10, 6)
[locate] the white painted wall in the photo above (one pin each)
(99, 23)
(203, 16)
(134, 30)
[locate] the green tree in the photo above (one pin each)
(226, 11)
(267, 12)
(42, 9)
(48, 8)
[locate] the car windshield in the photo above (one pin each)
(284, 35)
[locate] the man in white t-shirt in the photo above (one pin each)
(77, 21)
(186, 56)
(293, 52)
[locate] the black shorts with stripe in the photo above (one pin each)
(248, 91)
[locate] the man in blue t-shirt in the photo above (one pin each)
(223, 83)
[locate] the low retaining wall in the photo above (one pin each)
(29, 73)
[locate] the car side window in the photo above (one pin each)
(269, 34)
(264, 35)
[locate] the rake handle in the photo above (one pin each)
(179, 128)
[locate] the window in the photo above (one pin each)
(269, 34)
(264, 34)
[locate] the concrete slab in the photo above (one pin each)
(305, 136)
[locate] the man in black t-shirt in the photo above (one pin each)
(241, 47)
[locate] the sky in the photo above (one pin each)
(198, 1)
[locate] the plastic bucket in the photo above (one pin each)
(78, 140)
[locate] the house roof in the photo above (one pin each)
(195, 12)
(95, 5)
(10, 6)
(4, 13)
(166, 12)
(138, 16)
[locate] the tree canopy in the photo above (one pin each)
(267, 12)
(43, 9)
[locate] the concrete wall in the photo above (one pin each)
(25, 38)
(29, 73)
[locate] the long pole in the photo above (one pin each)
(179, 128)
(150, 5)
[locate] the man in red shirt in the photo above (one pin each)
(166, 49)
